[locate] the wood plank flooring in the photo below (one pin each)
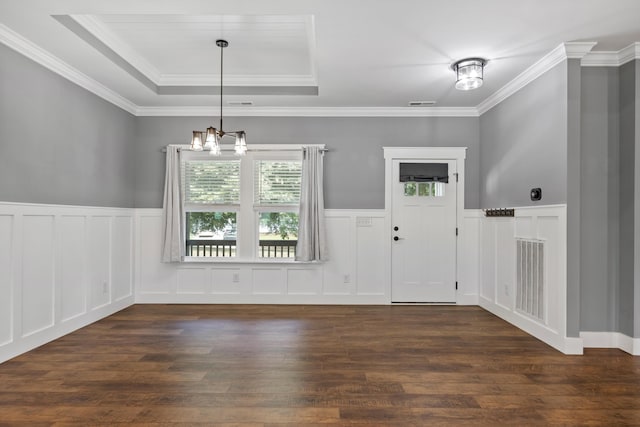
(268, 366)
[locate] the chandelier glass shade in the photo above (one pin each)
(209, 140)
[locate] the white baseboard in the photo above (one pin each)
(263, 299)
(467, 299)
(573, 345)
(566, 345)
(611, 340)
(45, 336)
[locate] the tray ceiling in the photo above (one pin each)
(316, 55)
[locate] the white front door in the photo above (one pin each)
(424, 237)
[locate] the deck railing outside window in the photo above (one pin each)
(227, 248)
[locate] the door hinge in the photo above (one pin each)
(456, 286)
(456, 174)
(456, 231)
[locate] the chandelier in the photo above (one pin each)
(210, 139)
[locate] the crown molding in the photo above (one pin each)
(574, 50)
(629, 53)
(562, 52)
(25, 47)
(612, 58)
(310, 111)
(577, 50)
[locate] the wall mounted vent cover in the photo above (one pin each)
(422, 103)
(241, 103)
(530, 278)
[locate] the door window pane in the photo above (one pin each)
(409, 188)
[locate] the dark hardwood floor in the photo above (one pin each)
(314, 366)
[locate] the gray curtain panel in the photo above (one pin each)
(312, 245)
(172, 234)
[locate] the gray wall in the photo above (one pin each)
(636, 208)
(523, 144)
(59, 143)
(628, 166)
(599, 200)
(354, 167)
(574, 186)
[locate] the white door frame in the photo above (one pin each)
(425, 153)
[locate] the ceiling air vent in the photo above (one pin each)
(422, 103)
(241, 103)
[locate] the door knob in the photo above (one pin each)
(395, 228)
(396, 238)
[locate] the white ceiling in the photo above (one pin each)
(306, 54)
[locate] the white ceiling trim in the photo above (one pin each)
(102, 33)
(311, 44)
(546, 63)
(612, 58)
(106, 36)
(566, 50)
(236, 80)
(25, 47)
(310, 111)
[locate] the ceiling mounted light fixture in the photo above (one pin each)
(210, 140)
(469, 73)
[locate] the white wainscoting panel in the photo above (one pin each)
(341, 254)
(99, 260)
(6, 280)
(304, 281)
(72, 277)
(229, 281)
(193, 280)
(268, 281)
(468, 262)
(38, 284)
(356, 272)
(498, 271)
(371, 245)
(57, 262)
(153, 276)
(121, 257)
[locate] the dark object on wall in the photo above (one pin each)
(424, 172)
(500, 212)
(536, 194)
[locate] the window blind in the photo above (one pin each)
(277, 183)
(210, 182)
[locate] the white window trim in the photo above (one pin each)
(247, 238)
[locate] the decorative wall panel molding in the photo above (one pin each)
(61, 268)
(498, 271)
(356, 273)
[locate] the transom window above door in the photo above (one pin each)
(424, 179)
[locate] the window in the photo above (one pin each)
(211, 205)
(424, 189)
(276, 200)
(241, 207)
